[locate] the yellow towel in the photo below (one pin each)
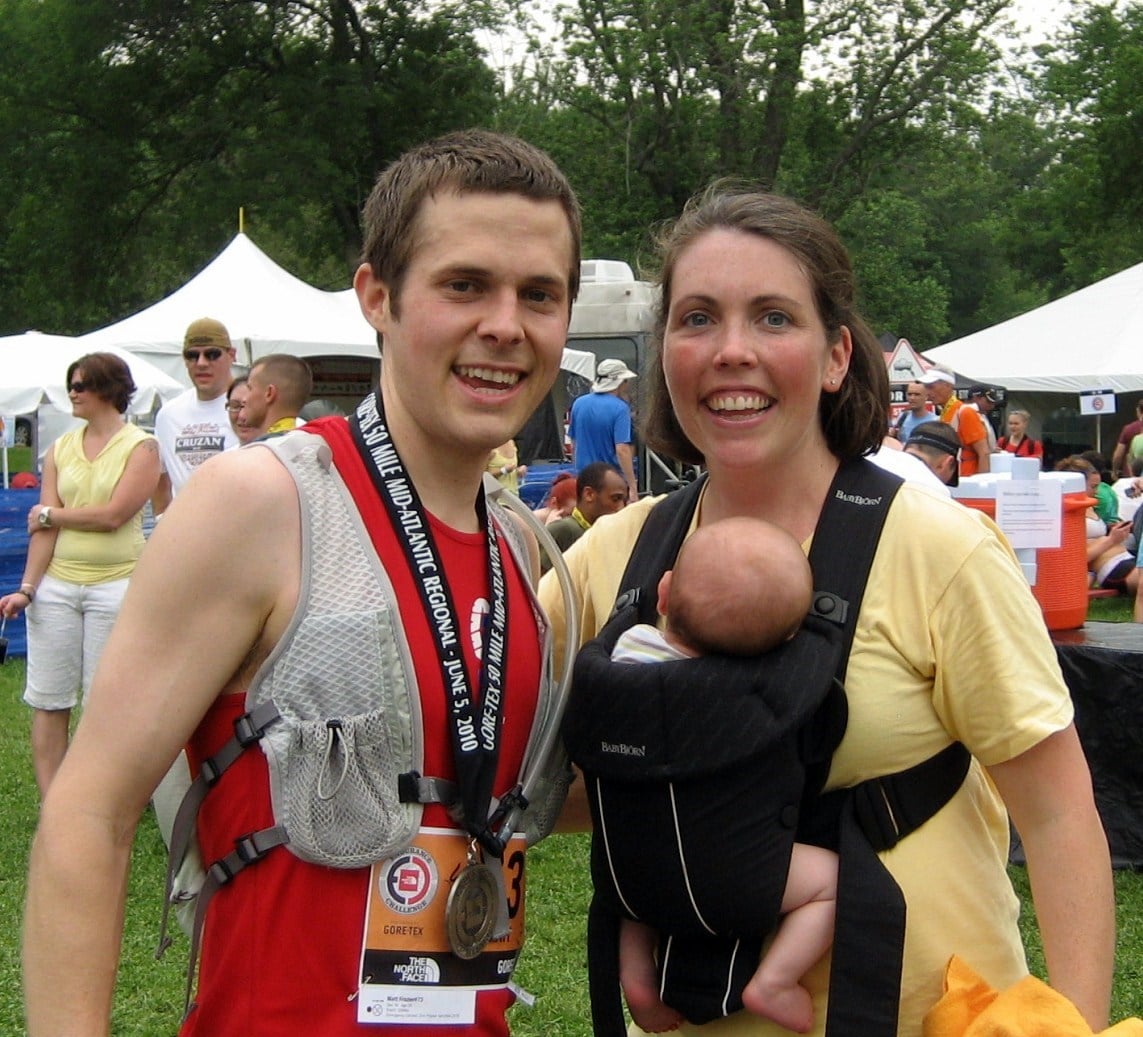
(1030, 1008)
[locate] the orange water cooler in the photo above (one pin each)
(1058, 575)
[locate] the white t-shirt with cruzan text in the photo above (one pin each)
(191, 431)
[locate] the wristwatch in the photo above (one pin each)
(45, 517)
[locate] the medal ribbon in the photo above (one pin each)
(475, 731)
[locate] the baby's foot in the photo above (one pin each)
(789, 1007)
(648, 1010)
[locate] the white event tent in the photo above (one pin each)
(33, 371)
(1090, 339)
(265, 308)
(33, 377)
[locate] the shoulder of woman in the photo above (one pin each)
(625, 524)
(135, 435)
(603, 550)
(936, 521)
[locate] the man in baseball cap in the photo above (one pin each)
(939, 382)
(984, 401)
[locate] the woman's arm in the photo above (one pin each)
(1115, 537)
(1048, 792)
(132, 491)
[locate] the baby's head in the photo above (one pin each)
(740, 586)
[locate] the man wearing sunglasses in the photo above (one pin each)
(194, 426)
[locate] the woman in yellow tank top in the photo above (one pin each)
(86, 534)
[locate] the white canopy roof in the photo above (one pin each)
(33, 370)
(265, 308)
(1090, 339)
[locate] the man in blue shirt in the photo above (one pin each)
(600, 424)
(917, 412)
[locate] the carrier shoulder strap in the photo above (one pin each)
(656, 548)
(841, 554)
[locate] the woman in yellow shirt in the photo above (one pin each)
(764, 372)
(504, 463)
(86, 534)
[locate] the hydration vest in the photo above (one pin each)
(335, 708)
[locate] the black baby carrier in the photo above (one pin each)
(714, 766)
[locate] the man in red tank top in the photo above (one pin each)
(469, 270)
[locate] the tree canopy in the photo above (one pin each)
(972, 178)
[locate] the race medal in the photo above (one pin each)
(470, 915)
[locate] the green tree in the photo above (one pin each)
(902, 281)
(138, 128)
(690, 89)
(1092, 79)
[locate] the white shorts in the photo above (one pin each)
(67, 627)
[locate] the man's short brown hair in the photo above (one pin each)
(290, 375)
(465, 162)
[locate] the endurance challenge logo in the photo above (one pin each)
(409, 882)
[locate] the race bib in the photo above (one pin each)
(408, 972)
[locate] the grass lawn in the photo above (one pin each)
(149, 997)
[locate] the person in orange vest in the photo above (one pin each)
(969, 425)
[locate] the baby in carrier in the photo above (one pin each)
(739, 587)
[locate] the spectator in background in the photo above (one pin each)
(195, 426)
(504, 464)
(937, 445)
(85, 536)
(984, 401)
(1097, 525)
(279, 387)
(600, 423)
(1110, 562)
(1018, 441)
(560, 500)
(1106, 499)
(1128, 489)
(969, 425)
(916, 411)
(600, 490)
(235, 398)
(1123, 444)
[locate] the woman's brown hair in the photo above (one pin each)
(107, 376)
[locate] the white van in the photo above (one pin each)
(611, 318)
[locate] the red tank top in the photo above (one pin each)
(282, 941)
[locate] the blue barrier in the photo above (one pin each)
(14, 505)
(537, 481)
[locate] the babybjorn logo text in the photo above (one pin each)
(856, 498)
(622, 749)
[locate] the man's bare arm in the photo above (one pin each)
(626, 453)
(161, 498)
(207, 599)
(982, 455)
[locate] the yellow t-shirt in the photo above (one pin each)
(84, 556)
(949, 644)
